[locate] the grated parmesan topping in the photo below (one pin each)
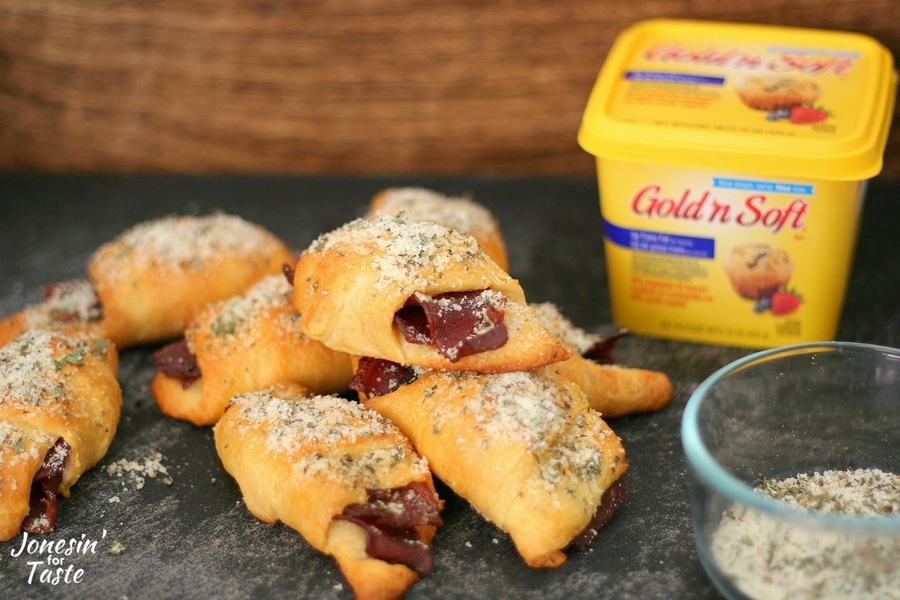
(68, 302)
(30, 371)
(55, 458)
(11, 436)
(237, 315)
(402, 250)
(552, 319)
(14, 438)
(31, 374)
(770, 558)
(421, 204)
(516, 317)
(327, 422)
(526, 407)
(137, 471)
(184, 242)
(365, 469)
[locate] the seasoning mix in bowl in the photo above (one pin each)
(794, 462)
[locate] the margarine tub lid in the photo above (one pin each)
(748, 98)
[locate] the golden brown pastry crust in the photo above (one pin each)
(350, 282)
(302, 460)
(456, 212)
(52, 386)
(155, 275)
(613, 390)
(248, 343)
(524, 449)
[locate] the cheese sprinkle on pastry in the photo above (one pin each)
(457, 212)
(68, 306)
(350, 286)
(335, 472)
(156, 275)
(60, 404)
(523, 448)
(243, 344)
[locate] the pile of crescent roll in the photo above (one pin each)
(341, 381)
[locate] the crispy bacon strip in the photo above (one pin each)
(43, 504)
(175, 360)
(377, 376)
(288, 271)
(601, 350)
(457, 323)
(390, 518)
(612, 498)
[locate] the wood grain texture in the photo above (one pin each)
(340, 87)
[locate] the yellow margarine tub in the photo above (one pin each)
(732, 162)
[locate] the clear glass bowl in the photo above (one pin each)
(802, 409)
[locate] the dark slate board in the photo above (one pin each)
(193, 538)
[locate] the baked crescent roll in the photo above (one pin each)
(68, 306)
(155, 275)
(456, 212)
(60, 403)
(523, 448)
(246, 343)
(344, 477)
(417, 293)
(612, 389)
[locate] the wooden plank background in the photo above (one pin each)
(336, 87)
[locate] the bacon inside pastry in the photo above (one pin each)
(60, 403)
(43, 507)
(523, 448)
(246, 343)
(458, 324)
(390, 518)
(344, 477)
(417, 293)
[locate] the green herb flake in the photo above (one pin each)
(75, 357)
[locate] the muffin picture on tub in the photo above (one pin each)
(784, 98)
(760, 273)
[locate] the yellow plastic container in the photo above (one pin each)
(732, 162)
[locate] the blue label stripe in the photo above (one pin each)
(661, 76)
(772, 187)
(660, 243)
